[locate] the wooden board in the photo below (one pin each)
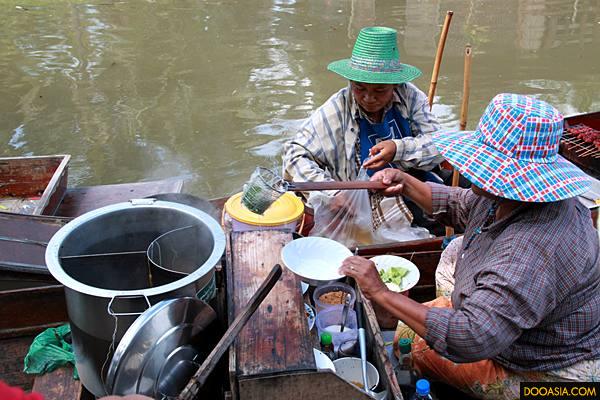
(276, 339)
(232, 367)
(14, 280)
(300, 385)
(12, 354)
(33, 185)
(29, 311)
(58, 385)
(23, 240)
(78, 201)
(379, 352)
(411, 246)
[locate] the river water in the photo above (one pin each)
(143, 90)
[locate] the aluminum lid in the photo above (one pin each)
(159, 339)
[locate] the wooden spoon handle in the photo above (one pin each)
(335, 185)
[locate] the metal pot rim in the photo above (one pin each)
(52, 250)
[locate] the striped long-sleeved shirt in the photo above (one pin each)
(527, 288)
(325, 147)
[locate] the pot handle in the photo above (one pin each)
(142, 202)
(117, 314)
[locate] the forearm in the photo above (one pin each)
(419, 192)
(407, 310)
(417, 152)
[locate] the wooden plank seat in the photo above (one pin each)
(80, 200)
(60, 385)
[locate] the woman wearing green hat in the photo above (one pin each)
(379, 120)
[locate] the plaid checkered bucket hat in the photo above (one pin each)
(514, 152)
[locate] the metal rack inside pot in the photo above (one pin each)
(169, 257)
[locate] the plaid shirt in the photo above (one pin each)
(527, 290)
(324, 148)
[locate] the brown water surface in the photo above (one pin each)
(142, 90)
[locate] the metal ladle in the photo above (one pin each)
(345, 312)
(362, 341)
(265, 187)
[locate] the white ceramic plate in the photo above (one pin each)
(315, 259)
(386, 262)
(311, 315)
(323, 362)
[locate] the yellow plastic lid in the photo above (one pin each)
(287, 208)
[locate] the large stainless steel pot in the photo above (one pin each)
(105, 295)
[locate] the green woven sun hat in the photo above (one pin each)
(375, 59)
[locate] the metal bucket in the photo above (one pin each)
(106, 293)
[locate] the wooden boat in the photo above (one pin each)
(25, 312)
(581, 145)
(35, 202)
(33, 185)
(38, 186)
(584, 154)
(31, 175)
(23, 241)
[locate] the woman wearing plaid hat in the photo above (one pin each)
(526, 301)
(379, 120)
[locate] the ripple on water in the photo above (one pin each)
(282, 129)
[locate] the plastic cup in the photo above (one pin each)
(330, 320)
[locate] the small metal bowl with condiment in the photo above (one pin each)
(333, 294)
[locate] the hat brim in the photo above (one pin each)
(506, 177)
(406, 73)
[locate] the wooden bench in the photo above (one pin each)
(60, 385)
(272, 356)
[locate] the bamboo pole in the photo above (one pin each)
(464, 110)
(438, 57)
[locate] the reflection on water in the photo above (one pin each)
(145, 90)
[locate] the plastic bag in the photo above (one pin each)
(395, 222)
(348, 218)
(49, 350)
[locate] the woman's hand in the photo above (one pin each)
(341, 204)
(380, 154)
(401, 183)
(392, 177)
(365, 274)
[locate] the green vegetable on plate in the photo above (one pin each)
(392, 277)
